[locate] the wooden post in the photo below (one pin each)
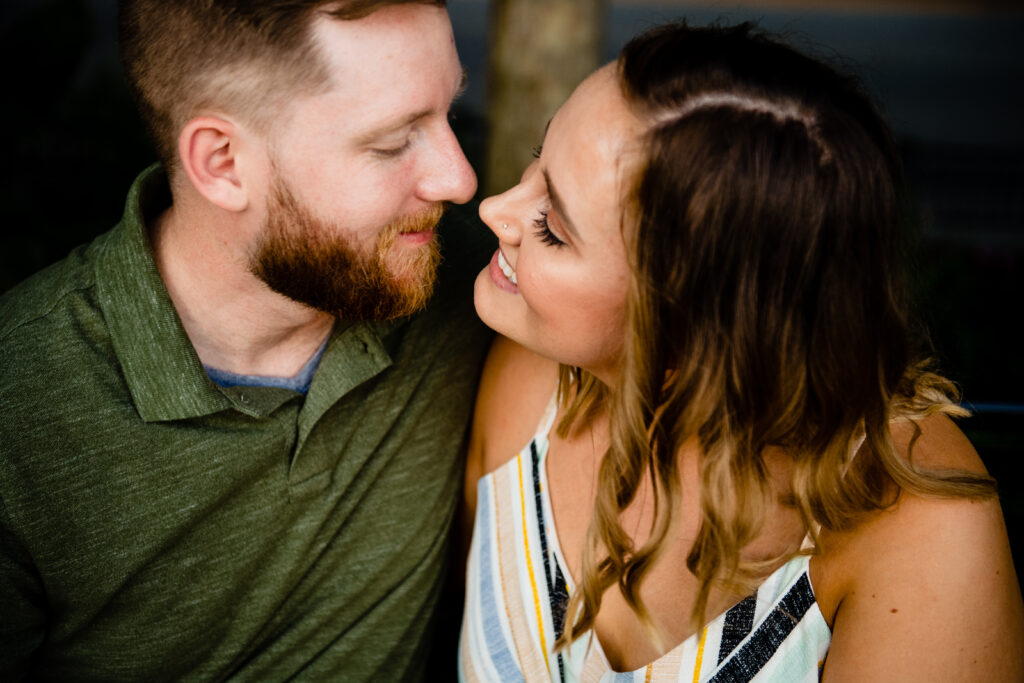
(540, 51)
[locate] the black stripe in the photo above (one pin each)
(772, 632)
(738, 622)
(555, 584)
(559, 600)
(539, 506)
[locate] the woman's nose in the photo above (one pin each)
(496, 212)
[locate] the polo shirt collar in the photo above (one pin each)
(163, 372)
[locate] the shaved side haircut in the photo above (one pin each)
(246, 58)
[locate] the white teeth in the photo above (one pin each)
(506, 268)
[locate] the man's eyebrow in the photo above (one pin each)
(559, 206)
(381, 131)
(372, 135)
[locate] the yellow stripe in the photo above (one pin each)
(700, 655)
(647, 676)
(529, 566)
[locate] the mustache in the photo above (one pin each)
(419, 222)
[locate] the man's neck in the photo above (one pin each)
(234, 321)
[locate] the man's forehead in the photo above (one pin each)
(393, 23)
(395, 42)
(385, 70)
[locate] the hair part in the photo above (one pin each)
(767, 310)
(250, 59)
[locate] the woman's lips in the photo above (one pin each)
(498, 277)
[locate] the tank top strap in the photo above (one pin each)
(548, 419)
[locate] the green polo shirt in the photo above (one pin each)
(154, 526)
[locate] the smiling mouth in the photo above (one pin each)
(506, 269)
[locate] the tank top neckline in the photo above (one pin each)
(797, 566)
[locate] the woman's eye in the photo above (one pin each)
(544, 231)
(536, 151)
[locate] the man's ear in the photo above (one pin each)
(209, 148)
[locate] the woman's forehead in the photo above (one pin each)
(592, 147)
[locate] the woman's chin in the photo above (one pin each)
(488, 301)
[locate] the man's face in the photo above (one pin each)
(360, 173)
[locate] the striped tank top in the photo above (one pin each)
(517, 588)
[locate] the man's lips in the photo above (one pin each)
(415, 238)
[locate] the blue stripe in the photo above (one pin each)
(501, 657)
(623, 677)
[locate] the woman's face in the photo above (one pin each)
(558, 282)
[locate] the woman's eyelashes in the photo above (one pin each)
(544, 230)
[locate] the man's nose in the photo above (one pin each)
(449, 178)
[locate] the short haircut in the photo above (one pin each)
(244, 57)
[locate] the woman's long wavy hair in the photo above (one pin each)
(767, 309)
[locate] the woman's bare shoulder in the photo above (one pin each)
(515, 388)
(925, 589)
(936, 443)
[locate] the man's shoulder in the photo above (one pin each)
(46, 294)
(51, 325)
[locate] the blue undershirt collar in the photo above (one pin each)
(300, 382)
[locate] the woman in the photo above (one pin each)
(733, 467)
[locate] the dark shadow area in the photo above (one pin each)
(72, 140)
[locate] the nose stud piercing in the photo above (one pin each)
(504, 226)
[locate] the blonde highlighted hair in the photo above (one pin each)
(767, 309)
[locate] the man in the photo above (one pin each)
(232, 426)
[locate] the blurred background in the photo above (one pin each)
(949, 75)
